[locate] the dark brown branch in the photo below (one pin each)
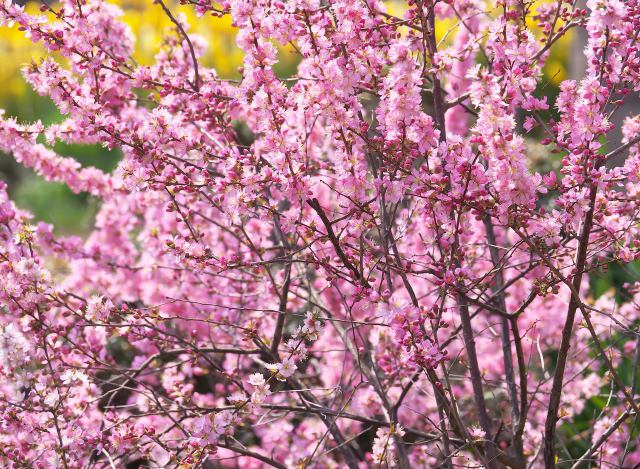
(563, 353)
(505, 335)
(335, 241)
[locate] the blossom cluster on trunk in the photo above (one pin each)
(359, 265)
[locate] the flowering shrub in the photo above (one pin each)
(147, 21)
(358, 266)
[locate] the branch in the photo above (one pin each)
(505, 336)
(603, 438)
(196, 83)
(252, 454)
(558, 375)
(314, 204)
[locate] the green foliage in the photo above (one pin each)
(53, 202)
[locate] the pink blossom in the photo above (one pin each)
(396, 237)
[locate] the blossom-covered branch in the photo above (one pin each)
(382, 260)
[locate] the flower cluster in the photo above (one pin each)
(384, 449)
(388, 257)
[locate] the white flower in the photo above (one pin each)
(14, 347)
(283, 370)
(262, 388)
(259, 396)
(237, 398)
(287, 367)
(257, 379)
(69, 376)
(52, 398)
